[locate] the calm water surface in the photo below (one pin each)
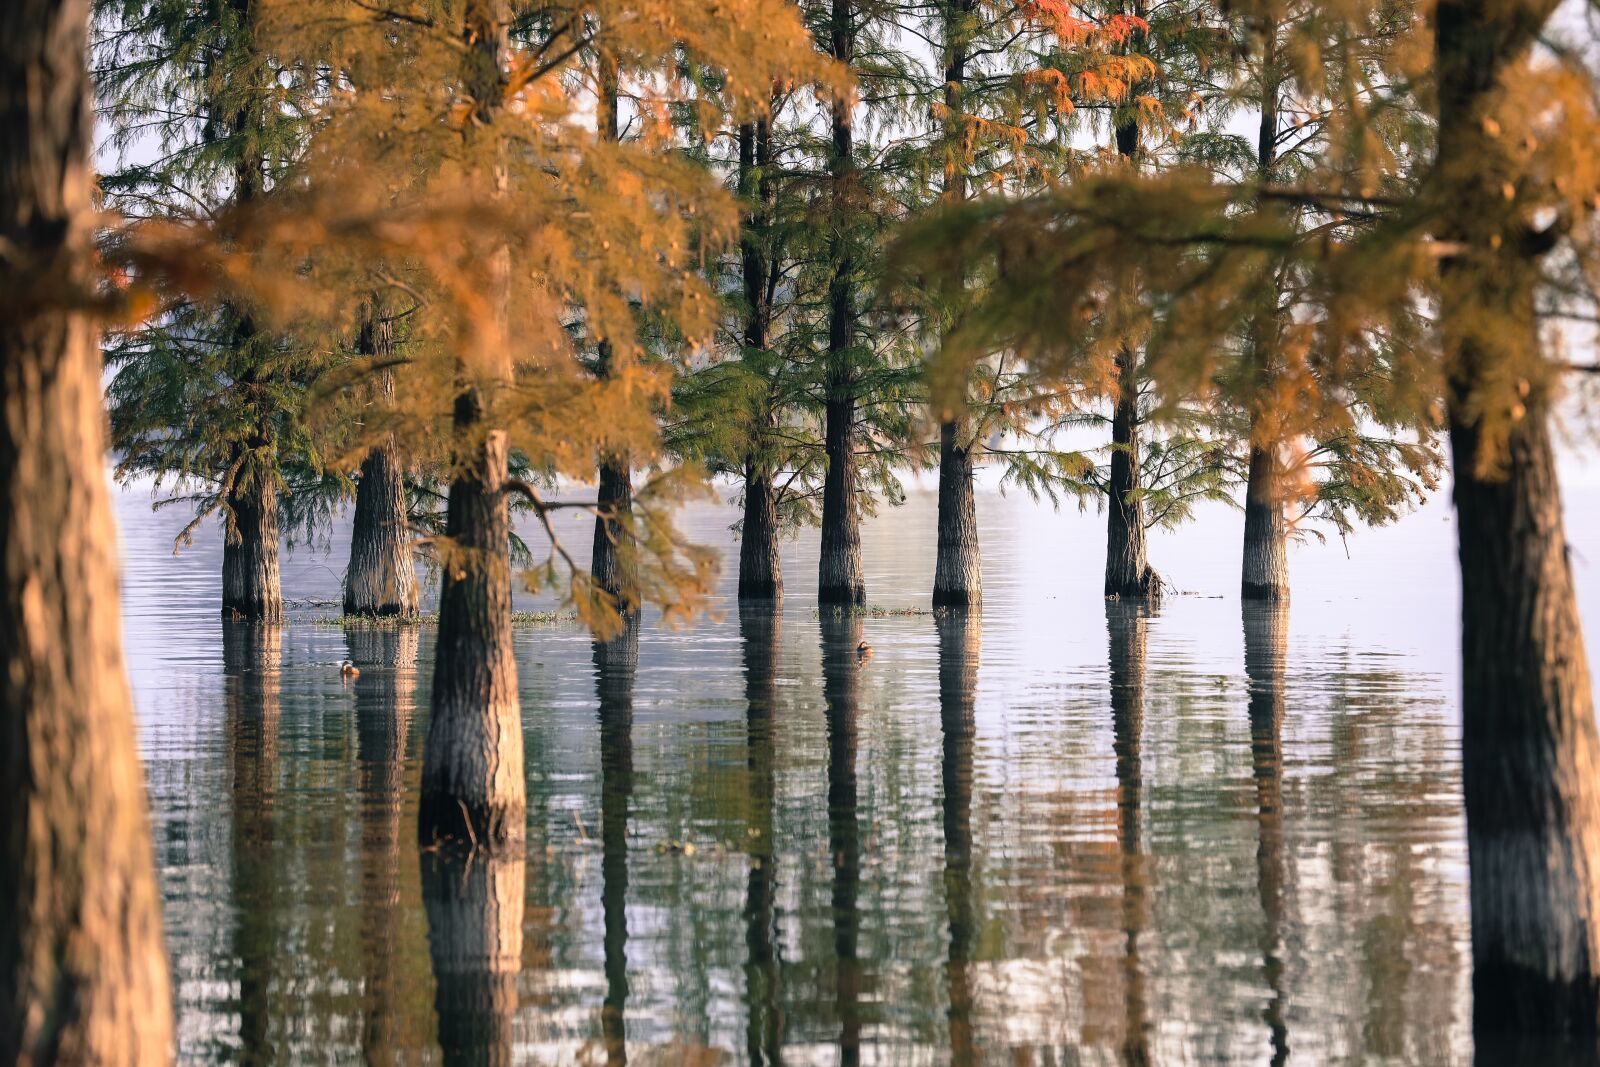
(1067, 832)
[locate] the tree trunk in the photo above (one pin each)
(760, 628)
(381, 578)
(958, 567)
(83, 970)
(1530, 755)
(251, 588)
(1266, 635)
(841, 692)
(615, 662)
(607, 564)
(1129, 575)
(252, 659)
(1530, 750)
(474, 903)
(760, 568)
(1266, 531)
(385, 699)
(960, 646)
(473, 790)
(1128, 625)
(840, 576)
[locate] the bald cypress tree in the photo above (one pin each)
(203, 395)
(83, 970)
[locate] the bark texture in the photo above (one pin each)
(960, 648)
(474, 903)
(1530, 753)
(473, 788)
(83, 970)
(1265, 569)
(759, 629)
(1266, 637)
(1127, 625)
(615, 664)
(841, 693)
(607, 563)
(958, 566)
(381, 578)
(251, 586)
(841, 577)
(760, 568)
(252, 660)
(1129, 575)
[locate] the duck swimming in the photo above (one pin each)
(863, 652)
(349, 670)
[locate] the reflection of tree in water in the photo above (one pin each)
(1266, 634)
(385, 700)
(841, 691)
(1391, 807)
(760, 626)
(960, 644)
(474, 903)
(252, 658)
(615, 663)
(1127, 624)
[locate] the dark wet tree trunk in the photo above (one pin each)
(83, 970)
(841, 692)
(1128, 625)
(615, 662)
(385, 698)
(1530, 752)
(473, 787)
(760, 628)
(1129, 575)
(1266, 637)
(473, 790)
(760, 568)
(1265, 568)
(1264, 574)
(252, 657)
(960, 645)
(474, 904)
(608, 561)
(841, 577)
(381, 578)
(958, 566)
(251, 587)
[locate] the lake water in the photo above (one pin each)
(1066, 833)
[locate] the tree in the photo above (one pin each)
(1295, 66)
(841, 578)
(381, 577)
(1495, 240)
(517, 216)
(1529, 742)
(83, 970)
(201, 392)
